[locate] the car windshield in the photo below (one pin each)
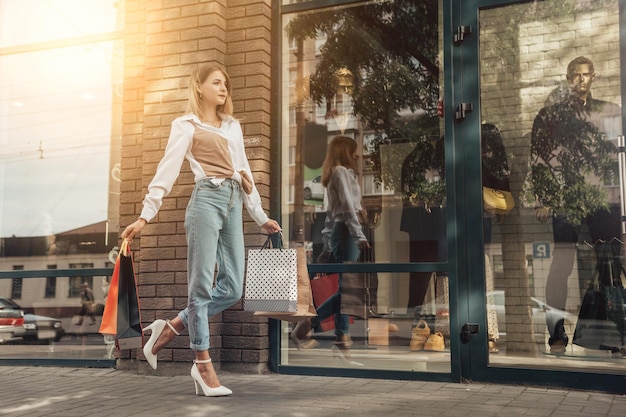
(6, 303)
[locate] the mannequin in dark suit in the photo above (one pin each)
(425, 224)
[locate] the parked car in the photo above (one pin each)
(42, 328)
(35, 327)
(538, 311)
(11, 321)
(313, 189)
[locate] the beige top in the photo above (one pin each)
(216, 153)
(212, 153)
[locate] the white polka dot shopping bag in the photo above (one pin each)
(271, 279)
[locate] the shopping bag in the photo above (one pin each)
(108, 325)
(353, 294)
(497, 196)
(271, 279)
(601, 321)
(323, 287)
(305, 307)
(595, 329)
(121, 316)
(90, 307)
(129, 331)
(359, 291)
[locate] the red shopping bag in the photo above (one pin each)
(108, 326)
(323, 287)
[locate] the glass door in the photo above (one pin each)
(548, 128)
(361, 84)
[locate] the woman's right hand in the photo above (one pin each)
(133, 229)
(363, 244)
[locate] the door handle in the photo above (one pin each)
(468, 330)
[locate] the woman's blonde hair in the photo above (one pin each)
(196, 79)
(340, 151)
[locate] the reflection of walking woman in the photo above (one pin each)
(346, 236)
(212, 141)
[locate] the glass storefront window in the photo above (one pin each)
(60, 112)
(370, 72)
(552, 105)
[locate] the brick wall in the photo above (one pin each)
(164, 40)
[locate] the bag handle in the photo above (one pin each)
(268, 244)
(125, 247)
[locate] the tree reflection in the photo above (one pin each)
(388, 50)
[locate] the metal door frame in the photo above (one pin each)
(462, 98)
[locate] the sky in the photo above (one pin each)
(55, 115)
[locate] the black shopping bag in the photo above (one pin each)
(601, 318)
(129, 331)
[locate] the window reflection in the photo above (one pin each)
(381, 94)
(561, 244)
(60, 105)
(352, 71)
(57, 142)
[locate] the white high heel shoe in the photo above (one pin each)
(220, 391)
(338, 354)
(156, 328)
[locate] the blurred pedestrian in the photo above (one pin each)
(88, 304)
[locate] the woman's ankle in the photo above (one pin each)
(207, 371)
(166, 336)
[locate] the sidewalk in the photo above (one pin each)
(69, 392)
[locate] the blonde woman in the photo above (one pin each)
(211, 140)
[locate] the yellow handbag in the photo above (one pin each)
(497, 201)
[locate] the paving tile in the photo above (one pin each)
(68, 392)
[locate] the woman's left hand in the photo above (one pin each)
(271, 226)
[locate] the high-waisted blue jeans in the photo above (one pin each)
(344, 249)
(214, 229)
